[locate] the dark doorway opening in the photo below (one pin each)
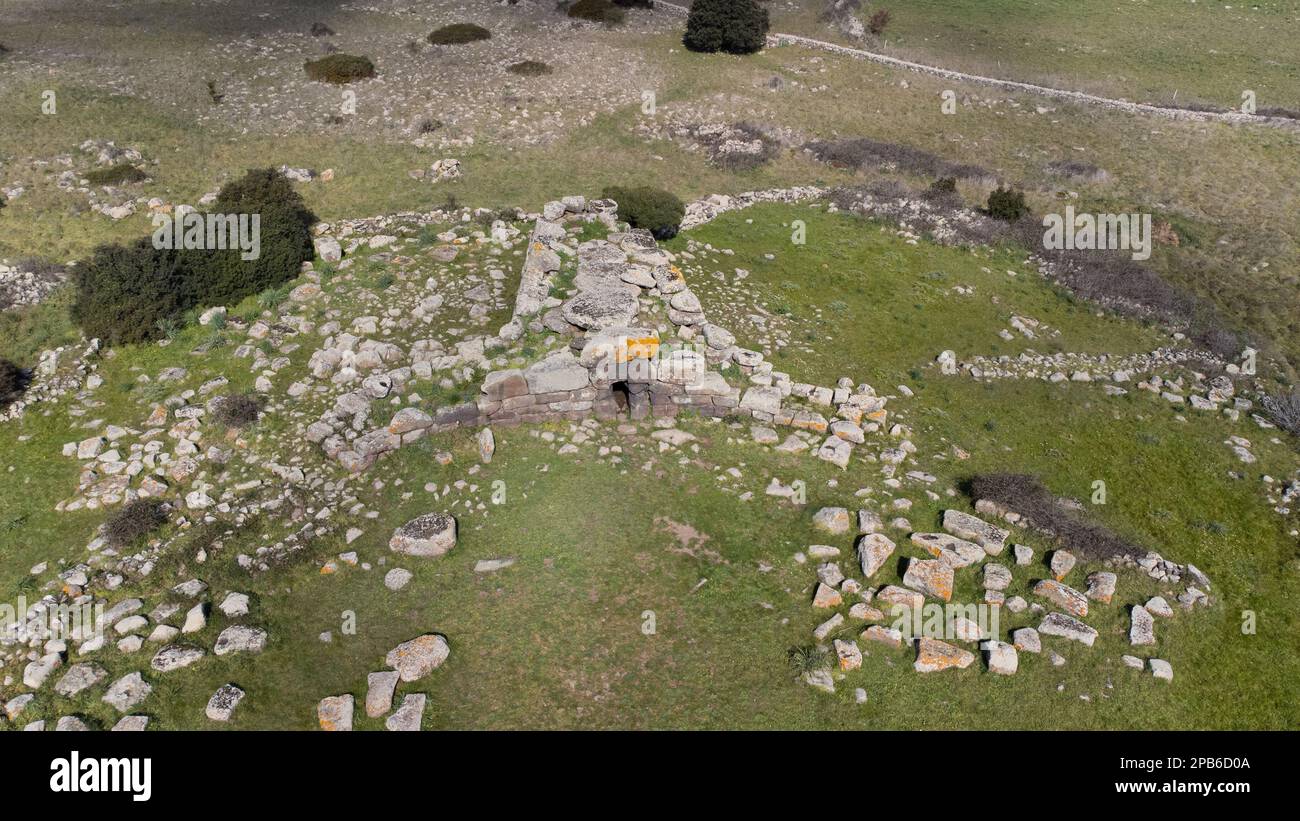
(622, 396)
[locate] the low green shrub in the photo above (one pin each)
(12, 382)
(808, 659)
(339, 69)
(236, 410)
(1006, 204)
(529, 68)
(135, 521)
(597, 11)
(458, 33)
(878, 21)
(120, 174)
(660, 212)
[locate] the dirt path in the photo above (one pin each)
(778, 39)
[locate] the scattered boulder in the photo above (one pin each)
(415, 659)
(883, 635)
(380, 687)
(933, 655)
(1157, 606)
(826, 596)
(1142, 628)
(1101, 586)
(432, 534)
(833, 520)
(850, 657)
(972, 528)
(930, 576)
(1062, 563)
(234, 604)
(874, 550)
(174, 657)
(1002, 658)
(408, 716)
(334, 713)
(240, 638)
(223, 702)
(79, 677)
(1063, 596)
(397, 578)
(1059, 624)
(1026, 640)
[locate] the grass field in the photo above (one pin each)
(602, 538)
(556, 640)
(1154, 51)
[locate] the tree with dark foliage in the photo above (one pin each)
(731, 26)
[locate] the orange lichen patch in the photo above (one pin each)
(878, 415)
(933, 655)
(851, 413)
(930, 576)
(866, 612)
(537, 246)
(328, 568)
(640, 347)
(1063, 596)
(826, 596)
(883, 635)
(809, 421)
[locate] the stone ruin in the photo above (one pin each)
(639, 343)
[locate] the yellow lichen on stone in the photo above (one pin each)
(644, 347)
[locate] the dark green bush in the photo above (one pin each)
(529, 68)
(221, 277)
(879, 20)
(339, 69)
(12, 382)
(119, 174)
(129, 294)
(733, 26)
(236, 410)
(458, 33)
(597, 11)
(862, 152)
(135, 521)
(1007, 205)
(657, 211)
(635, 4)
(943, 193)
(125, 292)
